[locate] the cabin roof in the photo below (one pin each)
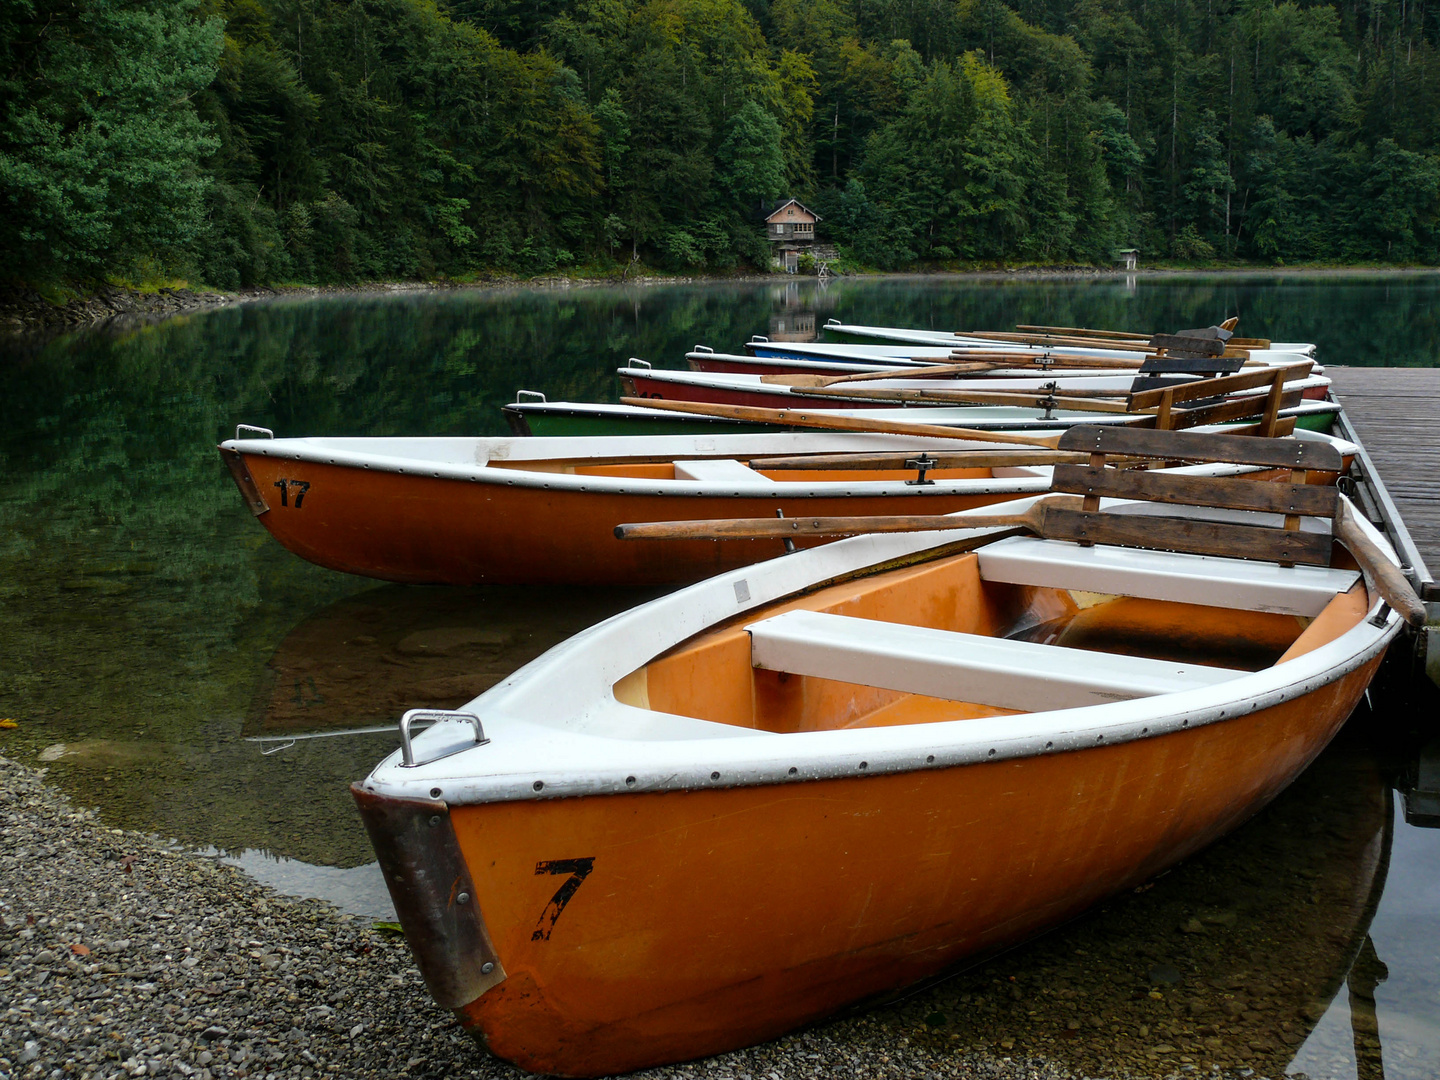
(790, 202)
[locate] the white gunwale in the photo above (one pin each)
(471, 459)
(475, 460)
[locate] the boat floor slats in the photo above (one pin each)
(718, 471)
(964, 667)
(1244, 584)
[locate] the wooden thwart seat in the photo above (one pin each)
(964, 667)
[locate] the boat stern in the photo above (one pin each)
(434, 896)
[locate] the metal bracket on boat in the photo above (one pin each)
(924, 463)
(407, 752)
(832, 322)
(1381, 617)
(1347, 486)
(528, 395)
(235, 462)
(434, 894)
(702, 348)
(1049, 404)
(263, 432)
(759, 337)
(635, 361)
(789, 544)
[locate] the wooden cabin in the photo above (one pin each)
(791, 222)
(790, 227)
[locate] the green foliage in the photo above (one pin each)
(751, 162)
(100, 147)
(246, 141)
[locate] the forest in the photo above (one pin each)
(247, 142)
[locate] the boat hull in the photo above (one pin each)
(437, 530)
(714, 919)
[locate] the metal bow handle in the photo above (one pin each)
(407, 754)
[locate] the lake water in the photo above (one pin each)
(150, 627)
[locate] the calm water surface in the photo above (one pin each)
(150, 627)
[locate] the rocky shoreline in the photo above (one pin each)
(24, 311)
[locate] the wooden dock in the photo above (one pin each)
(1396, 414)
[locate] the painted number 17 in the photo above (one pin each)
(300, 487)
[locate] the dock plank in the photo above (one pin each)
(1396, 413)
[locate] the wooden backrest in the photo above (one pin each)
(1293, 499)
(1202, 447)
(1224, 384)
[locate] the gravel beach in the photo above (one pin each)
(121, 955)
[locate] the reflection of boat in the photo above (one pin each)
(463, 511)
(368, 657)
(827, 776)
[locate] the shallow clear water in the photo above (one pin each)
(150, 627)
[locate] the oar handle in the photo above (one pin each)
(1385, 576)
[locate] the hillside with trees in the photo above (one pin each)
(241, 142)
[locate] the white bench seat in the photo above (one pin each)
(964, 667)
(1243, 584)
(719, 471)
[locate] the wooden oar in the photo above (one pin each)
(1382, 575)
(1032, 519)
(947, 396)
(1080, 331)
(1054, 339)
(1059, 359)
(925, 372)
(1048, 341)
(802, 419)
(901, 460)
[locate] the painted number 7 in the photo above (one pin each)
(579, 870)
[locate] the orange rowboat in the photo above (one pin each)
(464, 511)
(799, 785)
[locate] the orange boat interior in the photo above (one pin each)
(711, 677)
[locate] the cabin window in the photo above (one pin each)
(779, 228)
